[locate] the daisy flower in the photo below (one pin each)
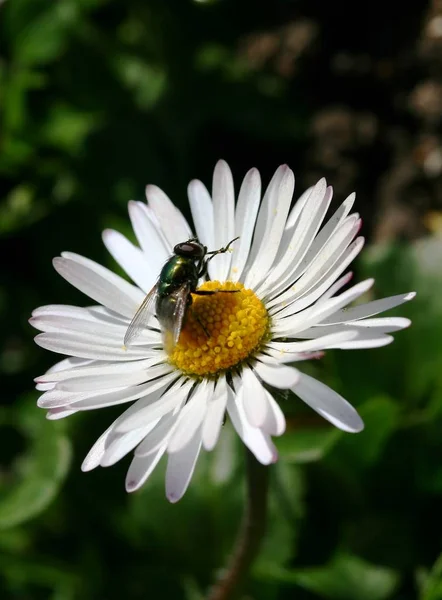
(287, 268)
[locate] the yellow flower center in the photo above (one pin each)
(221, 330)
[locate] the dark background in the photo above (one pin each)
(99, 98)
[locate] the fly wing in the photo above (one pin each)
(141, 317)
(172, 316)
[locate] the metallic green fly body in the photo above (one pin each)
(171, 296)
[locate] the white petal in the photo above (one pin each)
(180, 467)
(288, 234)
(159, 437)
(317, 313)
(277, 210)
(149, 372)
(279, 349)
(303, 235)
(166, 403)
(153, 218)
(140, 469)
(59, 413)
(369, 309)
(245, 218)
(93, 314)
(367, 327)
(215, 414)
(131, 259)
(64, 365)
(191, 417)
(155, 248)
(134, 410)
(126, 395)
(278, 376)
(223, 195)
(60, 370)
(361, 343)
(312, 295)
(295, 213)
(171, 220)
(98, 368)
(44, 387)
(274, 423)
(332, 224)
(273, 356)
(265, 210)
(92, 399)
(111, 435)
(122, 445)
(99, 283)
(62, 317)
(97, 451)
(384, 324)
(89, 329)
(328, 403)
(332, 236)
(80, 345)
(253, 398)
(335, 287)
(304, 246)
(256, 441)
(201, 208)
(101, 382)
(59, 398)
(328, 256)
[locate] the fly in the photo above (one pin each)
(171, 296)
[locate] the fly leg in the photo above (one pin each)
(208, 293)
(211, 292)
(212, 254)
(202, 293)
(222, 250)
(194, 313)
(203, 327)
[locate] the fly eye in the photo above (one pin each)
(191, 249)
(184, 248)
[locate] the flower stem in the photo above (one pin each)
(250, 535)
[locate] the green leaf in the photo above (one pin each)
(381, 418)
(68, 127)
(410, 366)
(192, 590)
(347, 577)
(46, 574)
(432, 588)
(19, 206)
(306, 445)
(37, 33)
(16, 87)
(147, 82)
(40, 471)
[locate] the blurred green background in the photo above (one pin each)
(99, 98)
